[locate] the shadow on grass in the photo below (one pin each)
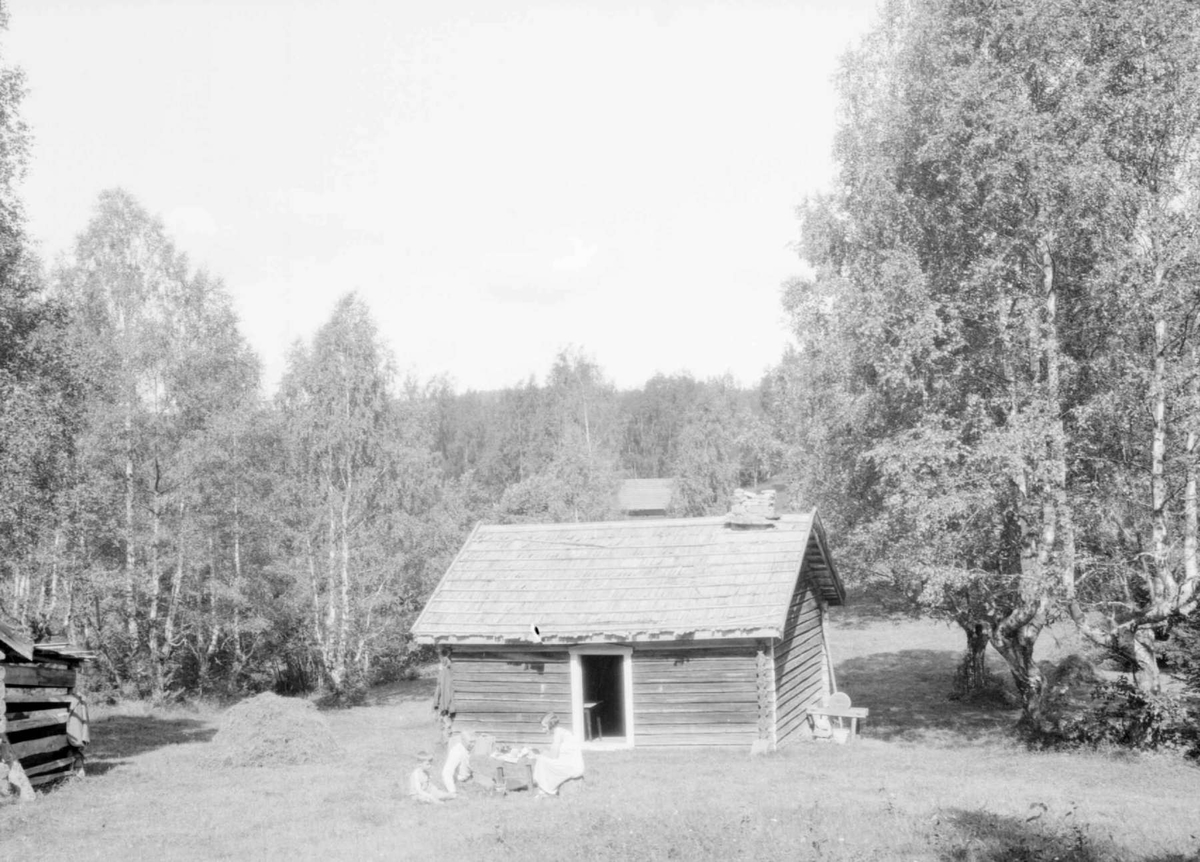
(907, 693)
(117, 738)
(981, 836)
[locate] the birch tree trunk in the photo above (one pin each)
(239, 657)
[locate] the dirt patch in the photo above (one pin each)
(268, 730)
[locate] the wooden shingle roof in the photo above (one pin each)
(627, 580)
(645, 495)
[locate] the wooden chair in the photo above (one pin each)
(591, 721)
(836, 707)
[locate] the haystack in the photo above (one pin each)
(268, 730)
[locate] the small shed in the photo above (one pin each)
(694, 631)
(645, 498)
(40, 714)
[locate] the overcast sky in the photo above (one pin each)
(498, 180)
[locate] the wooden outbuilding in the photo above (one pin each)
(645, 498)
(696, 631)
(41, 716)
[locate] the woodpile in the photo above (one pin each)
(43, 723)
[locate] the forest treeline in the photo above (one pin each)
(200, 536)
(993, 393)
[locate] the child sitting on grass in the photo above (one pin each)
(420, 787)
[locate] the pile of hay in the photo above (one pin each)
(268, 730)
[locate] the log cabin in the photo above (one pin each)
(41, 715)
(646, 633)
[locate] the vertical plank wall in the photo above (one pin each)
(506, 693)
(800, 678)
(695, 695)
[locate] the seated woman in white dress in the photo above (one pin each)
(458, 760)
(564, 760)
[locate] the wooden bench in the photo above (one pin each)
(837, 706)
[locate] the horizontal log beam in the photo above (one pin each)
(37, 675)
(697, 697)
(51, 766)
(648, 721)
(40, 746)
(42, 718)
(36, 695)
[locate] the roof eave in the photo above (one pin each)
(640, 637)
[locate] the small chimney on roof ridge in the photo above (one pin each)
(752, 509)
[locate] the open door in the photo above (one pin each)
(602, 695)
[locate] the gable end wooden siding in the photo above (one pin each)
(800, 658)
(696, 696)
(506, 693)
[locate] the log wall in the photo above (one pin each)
(800, 663)
(506, 693)
(702, 695)
(35, 699)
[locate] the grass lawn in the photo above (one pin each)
(929, 780)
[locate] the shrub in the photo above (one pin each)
(1123, 714)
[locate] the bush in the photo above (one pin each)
(1124, 715)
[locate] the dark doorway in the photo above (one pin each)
(603, 696)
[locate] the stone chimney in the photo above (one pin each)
(752, 509)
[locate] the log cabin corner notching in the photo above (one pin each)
(693, 631)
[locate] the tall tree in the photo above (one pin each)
(38, 395)
(956, 266)
(164, 359)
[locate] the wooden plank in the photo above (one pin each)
(547, 658)
(40, 746)
(36, 695)
(661, 678)
(732, 666)
(510, 679)
(493, 708)
(51, 766)
(41, 718)
(475, 696)
(657, 730)
(36, 675)
(705, 721)
(503, 670)
(800, 688)
(741, 695)
(511, 689)
(699, 710)
(799, 661)
(682, 654)
(722, 689)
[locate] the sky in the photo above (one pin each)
(497, 180)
